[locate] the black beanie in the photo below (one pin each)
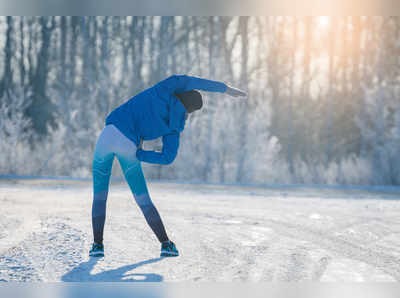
(192, 100)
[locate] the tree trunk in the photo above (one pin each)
(22, 69)
(289, 156)
(7, 80)
(243, 119)
(331, 106)
(41, 110)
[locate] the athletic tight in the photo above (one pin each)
(110, 143)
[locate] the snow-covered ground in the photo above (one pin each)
(224, 233)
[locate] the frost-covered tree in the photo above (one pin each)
(14, 134)
(322, 107)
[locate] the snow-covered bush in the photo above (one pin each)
(380, 126)
(14, 134)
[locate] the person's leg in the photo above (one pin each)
(102, 166)
(134, 176)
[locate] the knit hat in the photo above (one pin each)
(191, 100)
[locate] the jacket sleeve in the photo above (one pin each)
(166, 156)
(183, 83)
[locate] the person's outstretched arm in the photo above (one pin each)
(183, 83)
(166, 156)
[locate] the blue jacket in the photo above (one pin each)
(157, 112)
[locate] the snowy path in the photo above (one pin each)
(224, 233)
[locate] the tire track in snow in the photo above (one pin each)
(252, 252)
(44, 255)
(15, 266)
(320, 268)
(297, 265)
(241, 250)
(8, 225)
(340, 247)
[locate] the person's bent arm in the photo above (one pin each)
(166, 156)
(187, 83)
(183, 83)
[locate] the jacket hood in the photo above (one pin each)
(177, 114)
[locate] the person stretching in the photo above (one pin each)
(160, 111)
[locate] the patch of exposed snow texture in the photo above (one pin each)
(224, 233)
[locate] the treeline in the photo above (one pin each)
(322, 107)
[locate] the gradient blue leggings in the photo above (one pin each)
(111, 143)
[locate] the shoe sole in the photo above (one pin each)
(169, 254)
(96, 254)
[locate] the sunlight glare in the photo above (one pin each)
(323, 21)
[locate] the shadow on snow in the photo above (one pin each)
(81, 273)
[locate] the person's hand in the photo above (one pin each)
(235, 92)
(141, 144)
